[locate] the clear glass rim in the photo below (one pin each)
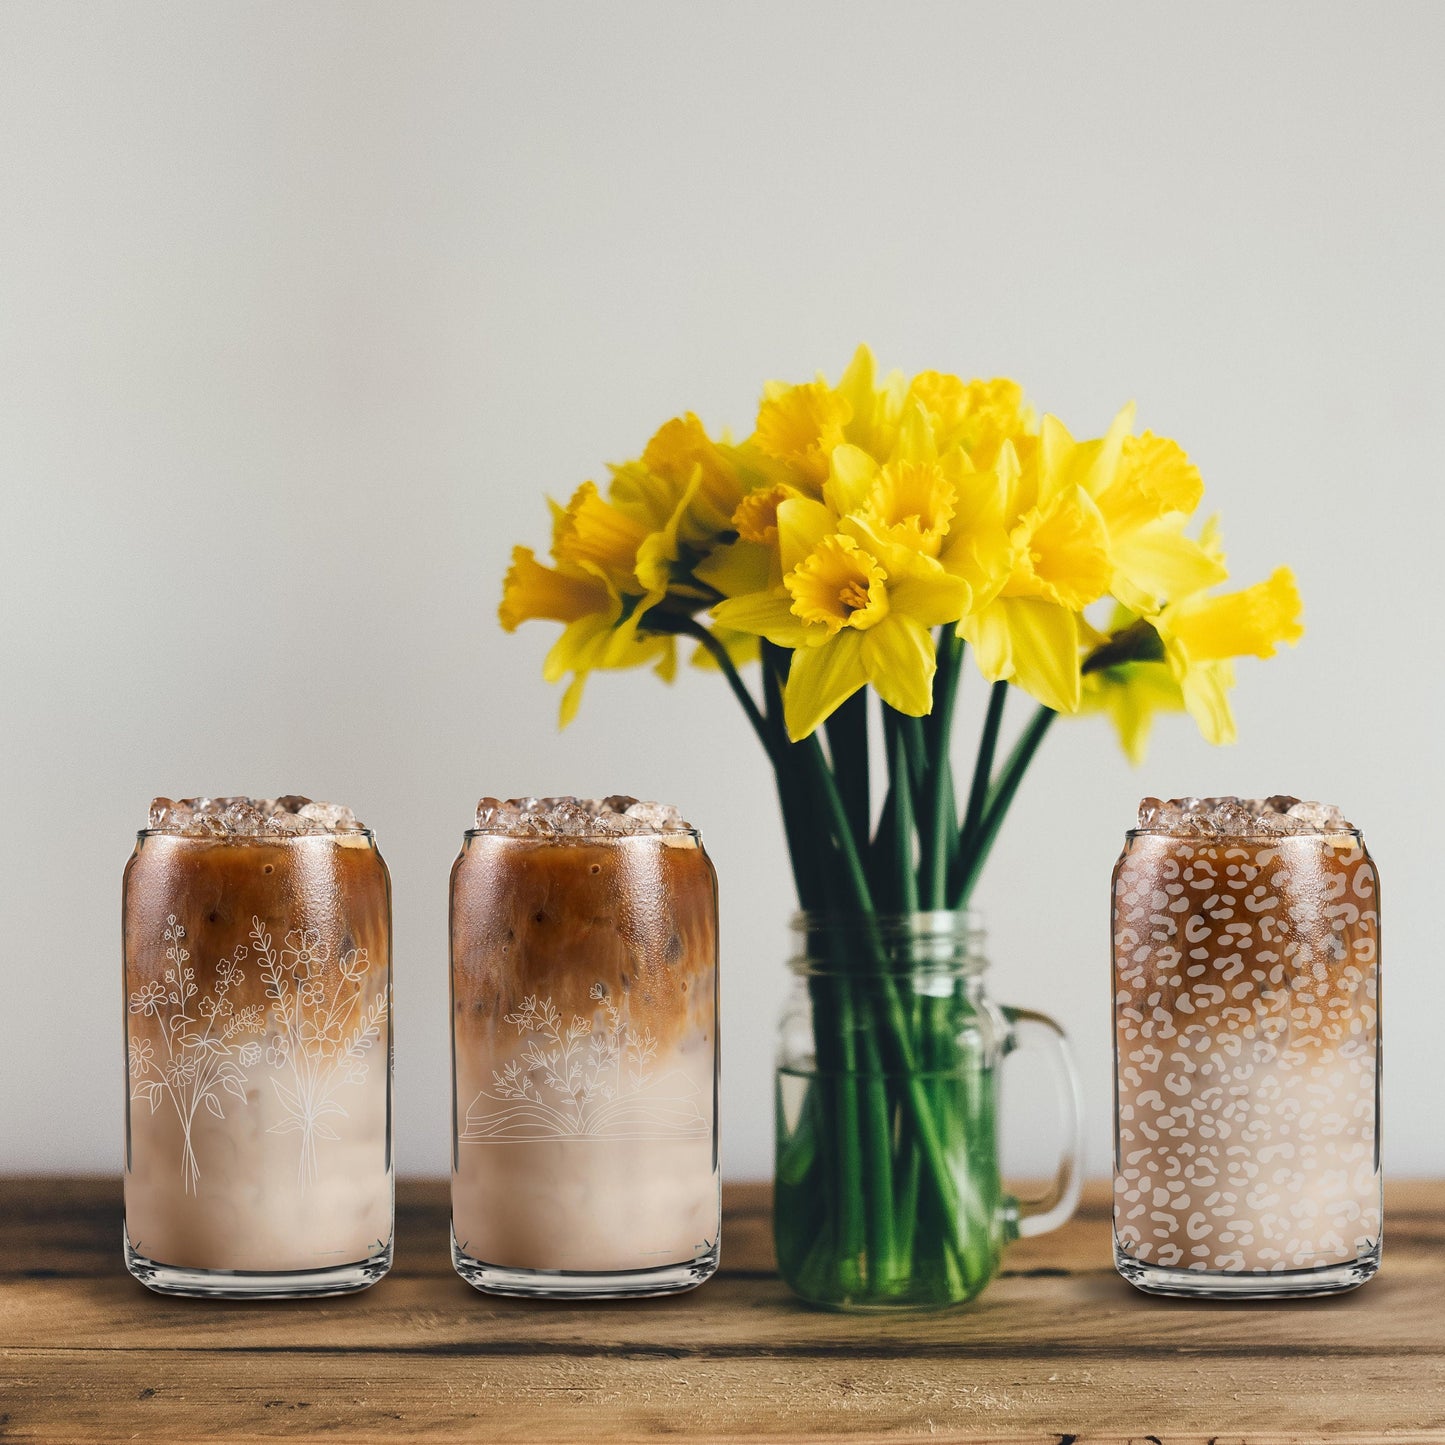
(941, 941)
(268, 838)
(921, 922)
(1352, 833)
(508, 836)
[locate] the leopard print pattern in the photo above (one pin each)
(1247, 1036)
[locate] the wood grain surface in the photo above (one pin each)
(1058, 1349)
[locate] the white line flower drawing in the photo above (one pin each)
(324, 1029)
(199, 1063)
(572, 1080)
(148, 1000)
(320, 1033)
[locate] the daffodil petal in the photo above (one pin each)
(1055, 447)
(1132, 695)
(1095, 464)
(898, 658)
(802, 524)
(737, 569)
(931, 595)
(820, 680)
(577, 648)
(1157, 562)
(1035, 644)
(766, 614)
(571, 700)
(850, 479)
(915, 436)
(1205, 687)
(531, 590)
(1252, 621)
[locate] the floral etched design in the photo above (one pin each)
(324, 1031)
(200, 1061)
(319, 1028)
(583, 1079)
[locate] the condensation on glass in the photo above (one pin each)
(258, 1149)
(585, 1064)
(1247, 1055)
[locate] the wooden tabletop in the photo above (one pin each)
(1058, 1349)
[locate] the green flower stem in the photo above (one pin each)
(906, 882)
(895, 1029)
(848, 744)
(983, 765)
(880, 1122)
(942, 819)
(1001, 795)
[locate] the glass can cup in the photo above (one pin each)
(257, 1017)
(888, 1191)
(1247, 1064)
(585, 1064)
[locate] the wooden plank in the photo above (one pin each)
(1057, 1348)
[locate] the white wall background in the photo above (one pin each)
(303, 308)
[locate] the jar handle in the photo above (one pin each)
(1058, 1202)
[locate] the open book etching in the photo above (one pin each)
(574, 1080)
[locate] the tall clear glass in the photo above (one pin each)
(1247, 1064)
(257, 1022)
(888, 1192)
(585, 1059)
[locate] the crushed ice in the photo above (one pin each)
(1279, 816)
(616, 817)
(287, 817)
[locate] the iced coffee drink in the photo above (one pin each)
(1246, 1004)
(584, 1045)
(258, 1034)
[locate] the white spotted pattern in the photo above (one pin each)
(1247, 1035)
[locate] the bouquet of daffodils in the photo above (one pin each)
(865, 540)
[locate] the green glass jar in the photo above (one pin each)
(888, 1193)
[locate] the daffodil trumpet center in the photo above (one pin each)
(839, 585)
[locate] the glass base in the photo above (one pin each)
(256, 1284)
(1276, 1285)
(584, 1284)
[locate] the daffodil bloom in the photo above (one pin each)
(856, 609)
(1039, 555)
(1182, 659)
(601, 629)
(979, 416)
(683, 474)
(911, 497)
(799, 426)
(594, 589)
(1146, 489)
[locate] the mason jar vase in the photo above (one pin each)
(888, 1191)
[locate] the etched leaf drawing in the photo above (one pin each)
(317, 1025)
(203, 1041)
(582, 1078)
(323, 1031)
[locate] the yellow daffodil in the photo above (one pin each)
(856, 609)
(601, 626)
(799, 426)
(1146, 490)
(857, 516)
(621, 555)
(1182, 659)
(908, 498)
(979, 416)
(1039, 555)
